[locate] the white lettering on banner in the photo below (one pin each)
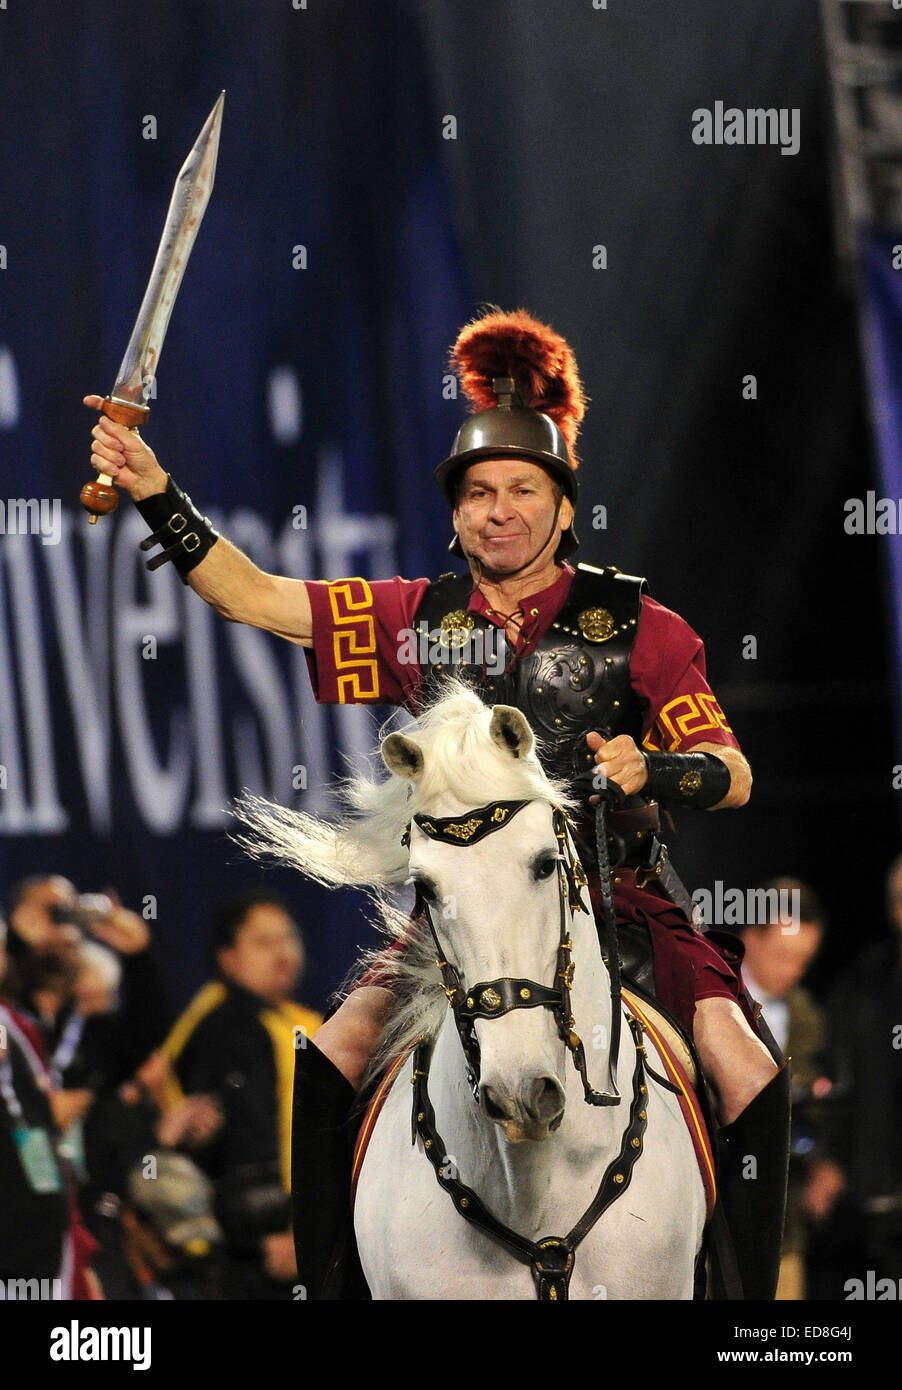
(295, 560)
(341, 536)
(9, 389)
(81, 632)
(183, 760)
(255, 660)
(211, 786)
(43, 812)
(13, 811)
(160, 790)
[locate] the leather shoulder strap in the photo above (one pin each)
(445, 595)
(603, 604)
(592, 584)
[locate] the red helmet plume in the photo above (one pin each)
(539, 360)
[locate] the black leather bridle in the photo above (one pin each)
(551, 1259)
(494, 998)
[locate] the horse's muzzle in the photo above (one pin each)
(533, 1112)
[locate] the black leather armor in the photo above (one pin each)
(577, 678)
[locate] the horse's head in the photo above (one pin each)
(486, 842)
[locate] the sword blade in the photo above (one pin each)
(186, 209)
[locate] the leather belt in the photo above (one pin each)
(657, 870)
(633, 819)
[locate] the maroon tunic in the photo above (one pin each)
(359, 629)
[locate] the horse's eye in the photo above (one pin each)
(545, 866)
(425, 887)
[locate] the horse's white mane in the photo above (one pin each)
(362, 846)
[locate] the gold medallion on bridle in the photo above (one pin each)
(465, 830)
(596, 624)
(490, 999)
(457, 626)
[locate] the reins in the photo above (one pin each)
(551, 1260)
(494, 998)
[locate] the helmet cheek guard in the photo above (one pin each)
(510, 430)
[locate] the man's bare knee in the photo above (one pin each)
(736, 1061)
(350, 1036)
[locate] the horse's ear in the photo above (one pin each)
(510, 730)
(402, 756)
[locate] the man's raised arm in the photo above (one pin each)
(225, 578)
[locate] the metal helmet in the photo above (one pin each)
(510, 429)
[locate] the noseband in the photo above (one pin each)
(551, 1260)
(494, 998)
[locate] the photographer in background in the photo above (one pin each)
(84, 973)
(99, 1047)
(41, 1233)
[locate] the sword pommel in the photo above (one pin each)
(99, 497)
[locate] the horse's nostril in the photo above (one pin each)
(493, 1107)
(544, 1101)
(541, 1102)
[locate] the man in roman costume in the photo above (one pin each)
(613, 684)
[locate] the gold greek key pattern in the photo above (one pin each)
(685, 715)
(354, 641)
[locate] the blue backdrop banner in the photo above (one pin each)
(301, 401)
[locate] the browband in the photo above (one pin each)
(472, 826)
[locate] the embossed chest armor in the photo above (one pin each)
(576, 679)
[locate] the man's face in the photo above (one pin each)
(505, 513)
(267, 955)
(34, 923)
(778, 959)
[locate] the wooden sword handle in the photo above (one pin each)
(99, 497)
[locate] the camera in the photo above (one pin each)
(85, 910)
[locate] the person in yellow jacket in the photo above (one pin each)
(236, 1044)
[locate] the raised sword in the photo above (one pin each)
(127, 402)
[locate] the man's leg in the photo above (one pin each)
(350, 1036)
(326, 1077)
(752, 1094)
(737, 1064)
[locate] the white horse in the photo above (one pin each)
(507, 1153)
